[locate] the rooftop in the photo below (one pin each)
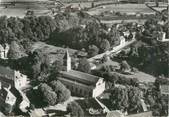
(3, 94)
(7, 72)
(144, 114)
(91, 105)
(80, 76)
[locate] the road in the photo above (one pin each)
(114, 50)
(110, 22)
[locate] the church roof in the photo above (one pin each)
(80, 76)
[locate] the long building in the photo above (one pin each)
(80, 83)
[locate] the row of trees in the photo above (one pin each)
(78, 31)
(126, 99)
(79, 37)
(54, 92)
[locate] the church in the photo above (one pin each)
(80, 83)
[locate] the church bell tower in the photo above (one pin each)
(67, 61)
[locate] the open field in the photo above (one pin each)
(123, 8)
(41, 8)
(19, 10)
(53, 52)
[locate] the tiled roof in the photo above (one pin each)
(7, 72)
(90, 103)
(3, 94)
(80, 76)
(114, 114)
(144, 114)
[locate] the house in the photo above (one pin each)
(91, 107)
(25, 103)
(12, 78)
(80, 83)
(4, 51)
(11, 84)
(162, 37)
(7, 98)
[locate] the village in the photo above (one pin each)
(75, 62)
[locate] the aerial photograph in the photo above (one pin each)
(84, 58)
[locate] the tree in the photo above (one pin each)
(114, 36)
(62, 92)
(119, 98)
(134, 96)
(57, 66)
(49, 96)
(93, 50)
(84, 66)
(40, 65)
(104, 46)
(15, 51)
(124, 66)
(75, 109)
(7, 109)
(16, 25)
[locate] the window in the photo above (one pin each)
(77, 90)
(80, 91)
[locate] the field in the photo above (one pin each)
(42, 8)
(123, 8)
(19, 10)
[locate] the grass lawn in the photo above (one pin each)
(53, 52)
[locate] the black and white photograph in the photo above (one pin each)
(84, 58)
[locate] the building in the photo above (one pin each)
(162, 37)
(80, 83)
(4, 51)
(11, 84)
(7, 98)
(67, 61)
(12, 78)
(25, 103)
